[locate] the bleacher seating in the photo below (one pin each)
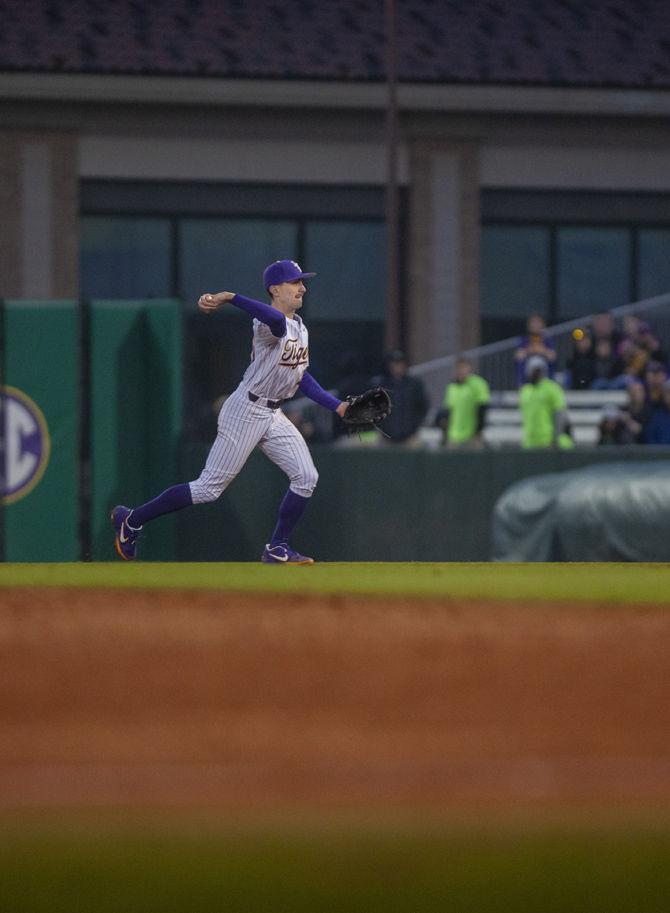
(585, 409)
(503, 420)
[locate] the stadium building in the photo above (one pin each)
(156, 150)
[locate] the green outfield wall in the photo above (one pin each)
(382, 504)
(90, 417)
(135, 417)
(40, 406)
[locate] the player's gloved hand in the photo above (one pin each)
(210, 301)
(367, 408)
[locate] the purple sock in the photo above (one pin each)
(172, 499)
(291, 510)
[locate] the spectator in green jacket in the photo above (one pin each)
(463, 414)
(544, 414)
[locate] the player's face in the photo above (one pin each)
(289, 295)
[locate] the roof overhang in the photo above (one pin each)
(332, 95)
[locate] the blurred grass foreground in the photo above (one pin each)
(184, 868)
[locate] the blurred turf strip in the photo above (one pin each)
(574, 582)
(543, 871)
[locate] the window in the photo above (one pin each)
(653, 277)
(125, 257)
(515, 279)
(598, 250)
(177, 239)
(230, 254)
(349, 259)
(593, 270)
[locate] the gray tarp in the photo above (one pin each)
(606, 512)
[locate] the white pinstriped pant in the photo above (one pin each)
(243, 425)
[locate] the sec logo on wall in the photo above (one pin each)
(25, 445)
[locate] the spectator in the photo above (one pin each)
(638, 347)
(649, 343)
(409, 400)
(544, 415)
(582, 362)
(631, 325)
(637, 410)
(611, 371)
(655, 377)
(464, 409)
(613, 428)
(632, 363)
(535, 343)
(603, 327)
(640, 333)
(657, 428)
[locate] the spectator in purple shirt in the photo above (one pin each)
(534, 343)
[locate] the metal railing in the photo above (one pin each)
(495, 362)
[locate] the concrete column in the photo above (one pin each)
(39, 196)
(10, 217)
(443, 295)
(65, 215)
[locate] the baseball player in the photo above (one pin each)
(252, 416)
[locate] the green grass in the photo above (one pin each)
(620, 583)
(542, 871)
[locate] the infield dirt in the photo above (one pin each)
(165, 699)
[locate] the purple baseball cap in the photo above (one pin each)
(283, 271)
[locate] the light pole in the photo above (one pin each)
(392, 335)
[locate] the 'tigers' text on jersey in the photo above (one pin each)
(293, 354)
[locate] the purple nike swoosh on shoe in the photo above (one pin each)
(126, 538)
(283, 554)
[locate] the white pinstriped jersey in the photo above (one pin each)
(277, 365)
(276, 369)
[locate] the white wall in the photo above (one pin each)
(276, 161)
(570, 168)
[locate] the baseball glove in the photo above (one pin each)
(367, 408)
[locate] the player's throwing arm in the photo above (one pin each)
(211, 301)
